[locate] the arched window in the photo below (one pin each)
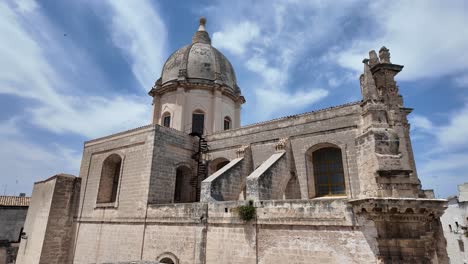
(109, 181)
(328, 171)
(166, 119)
(217, 164)
(227, 123)
(185, 192)
(292, 190)
(198, 122)
(221, 164)
(166, 261)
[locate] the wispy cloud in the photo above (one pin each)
(63, 90)
(138, 30)
(428, 37)
(443, 164)
(25, 161)
(28, 71)
(235, 37)
(280, 48)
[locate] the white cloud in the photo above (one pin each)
(277, 45)
(235, 38)
(273, 76)
(455, 133)
(428, 37)
(419, 122)
(28, 71)
(140, 32)
(274, 101)
(94, 116)
(24, 162)
(443, 164)
(443, 172)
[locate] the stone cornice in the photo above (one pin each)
(159, 90)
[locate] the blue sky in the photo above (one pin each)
(71, 71)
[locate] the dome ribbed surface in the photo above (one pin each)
(199, 62)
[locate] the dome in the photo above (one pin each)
(199, 63)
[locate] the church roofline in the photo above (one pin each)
(279, 119)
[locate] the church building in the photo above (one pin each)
(336, 185)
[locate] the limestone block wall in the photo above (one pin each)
(49, 223)
(106, 242)
(337, 126)
(177, 231)
(171, 150)
(35, 225)
(318, 231)
(135, 147)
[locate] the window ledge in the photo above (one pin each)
(106, 205)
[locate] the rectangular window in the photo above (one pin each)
(227, 124)
(198, 121)
(167, 121)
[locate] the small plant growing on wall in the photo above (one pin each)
(247, 212)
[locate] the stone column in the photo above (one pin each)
(236, 121)
(180, 111)
(156, 109)
(217, 114)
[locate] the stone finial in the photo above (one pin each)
(373, 59)
(281, 145)
(241, 151)
(368, 87)
(384, 55)
(202, 24)
(201, 35)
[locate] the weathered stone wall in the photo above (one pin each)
(136, 149)
(177, 231)
(114, 241)
(35, 225)
(336, 126)
(8, 252)
(225, 184)
(49, 223)
(266, 182)
(11, 221)
(59, 237)
(171, 150)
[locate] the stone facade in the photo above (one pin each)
(455, 225)
(13, 211)
(49, 227)
(337, 185)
